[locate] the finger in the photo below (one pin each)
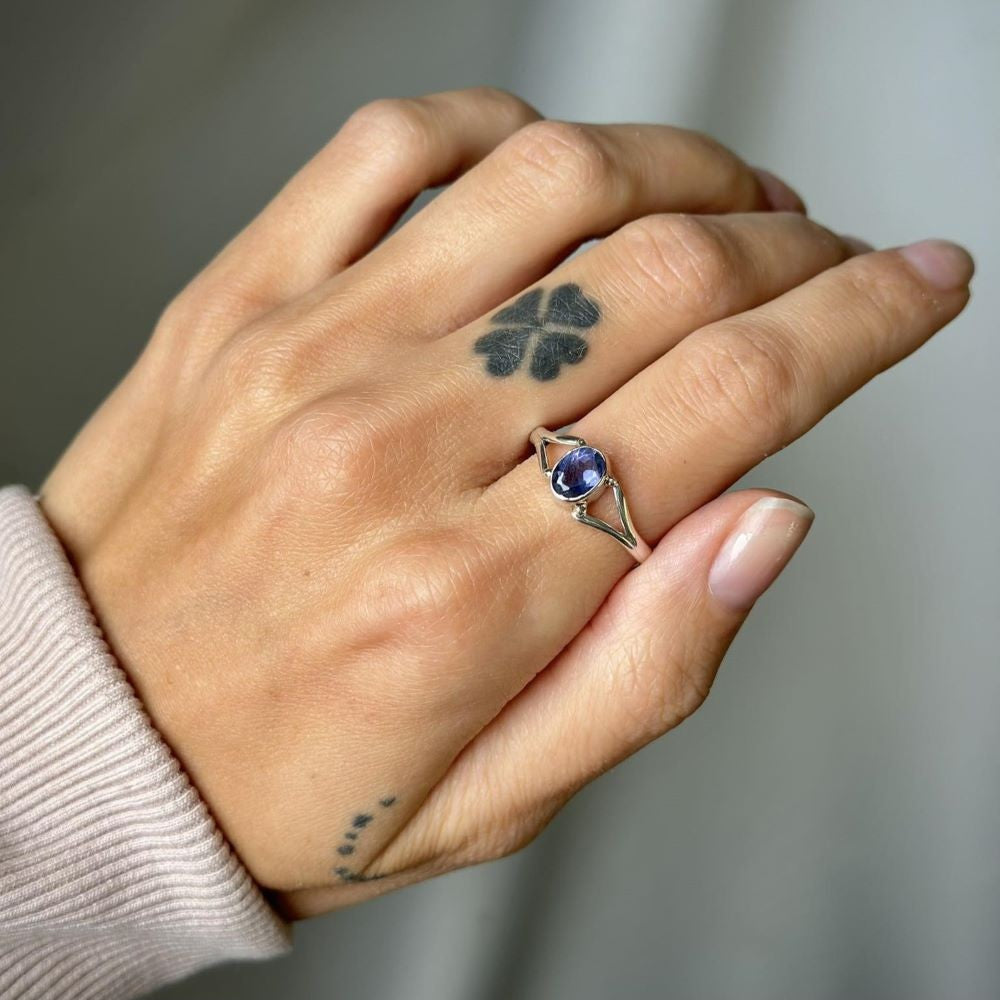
(747, 386)
(350, 194)
(549, 187)
(642, 665)
(561, 348)
(693, 422)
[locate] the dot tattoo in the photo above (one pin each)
(359, 825)
(542, 328)
(346, 875)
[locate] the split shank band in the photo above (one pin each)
(580, 476)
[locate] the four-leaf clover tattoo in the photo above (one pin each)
(523, 327)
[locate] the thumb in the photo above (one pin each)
(643, 663)
(647, 659)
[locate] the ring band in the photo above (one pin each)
(581, 475)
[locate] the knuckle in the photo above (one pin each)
(741, 376)
(176, 316)
(882, 286)
(423, 590)
(505, 102)
(312, 445)
(252, 367)
(815, 231)
(334, 448)
(200, 309)
(218, 302)
(389, 126)
(683, 257)
(734, 185)
(821, 244)
(561, 157)
(358, 442)
(738, 188)
(175, 328)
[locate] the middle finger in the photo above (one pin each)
(549, 187)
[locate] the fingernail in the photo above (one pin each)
(940, 263)
(758, 549)
(779, 195)
(856, 244)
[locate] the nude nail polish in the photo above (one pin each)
(757, 550)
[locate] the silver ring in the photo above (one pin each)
(582, 475)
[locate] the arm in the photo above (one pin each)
(113, 876)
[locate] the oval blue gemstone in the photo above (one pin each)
(578, 473)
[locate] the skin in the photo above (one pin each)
(315, 535)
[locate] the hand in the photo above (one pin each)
(312, 528)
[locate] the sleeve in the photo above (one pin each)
(114, 879)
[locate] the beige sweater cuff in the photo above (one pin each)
(114, 879)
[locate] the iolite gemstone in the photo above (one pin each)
(578, 473)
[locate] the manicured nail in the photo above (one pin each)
(763, 541)
(940, 263)
(779, 195)
(857, 244)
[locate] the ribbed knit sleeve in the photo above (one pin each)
(113, 877)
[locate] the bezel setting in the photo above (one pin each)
(626, 536)
(580, 455)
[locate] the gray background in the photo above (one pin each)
(828, 826)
